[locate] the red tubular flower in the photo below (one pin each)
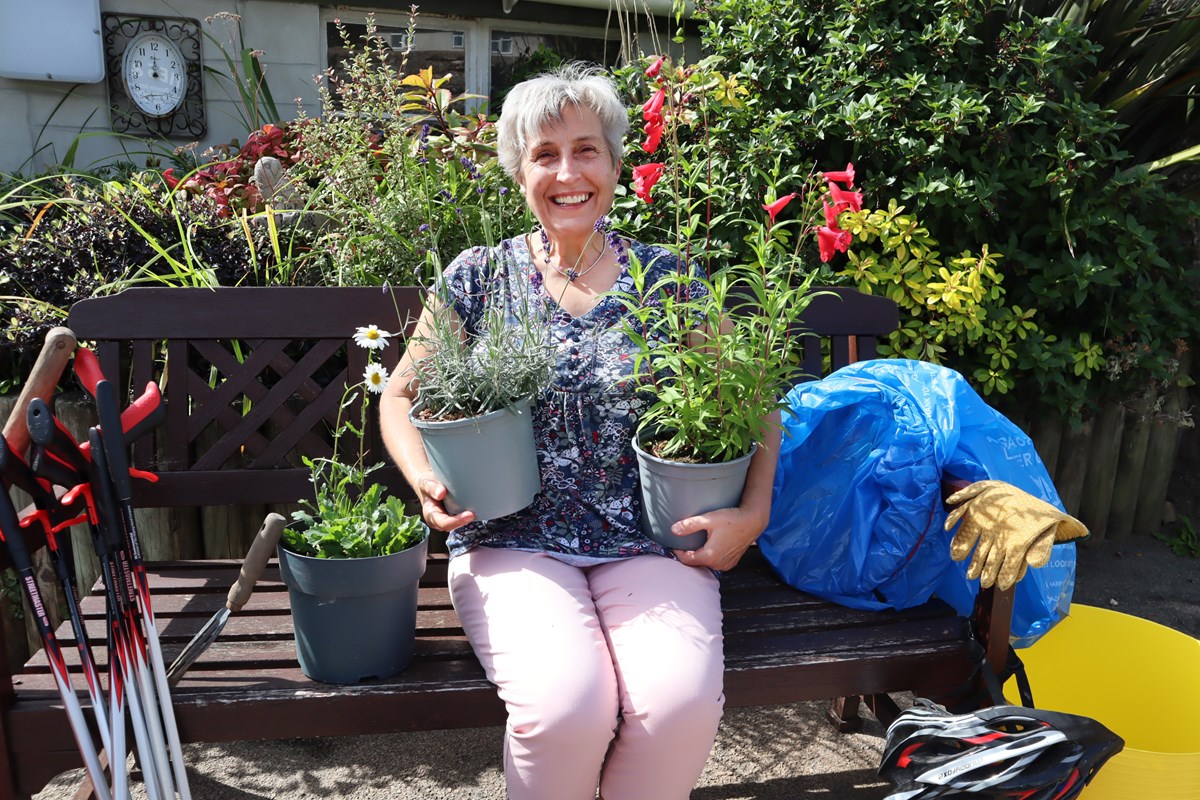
(653, 107)
(654, 132)
(644, 178)
(853, 200)
(774, 208)
(831, 213)
(846, 176)
(655, 68)
(169, 177)
(831, 240)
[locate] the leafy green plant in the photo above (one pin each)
(245, 74)
(69, 237)
(351, 517)
(1184, 540)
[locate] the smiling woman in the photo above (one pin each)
(630, 698)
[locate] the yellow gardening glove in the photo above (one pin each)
(1014, 530)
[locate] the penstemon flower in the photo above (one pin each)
(713, 395)
(774, 208)
(644, 178)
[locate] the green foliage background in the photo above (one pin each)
(974, 121)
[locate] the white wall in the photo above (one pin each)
(289, 34)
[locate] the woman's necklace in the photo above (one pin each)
(569, 274)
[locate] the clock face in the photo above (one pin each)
(155, 74)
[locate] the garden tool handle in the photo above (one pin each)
(256, 561)
(42, 380)
(55, 440)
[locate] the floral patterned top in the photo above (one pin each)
(589, 508)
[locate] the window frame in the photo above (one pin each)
(477, 37)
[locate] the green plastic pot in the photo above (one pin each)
(355, 619)
(488, 463)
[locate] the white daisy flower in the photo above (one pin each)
(371, 337)
(376, 377)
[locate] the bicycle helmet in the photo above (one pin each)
(1007, 752)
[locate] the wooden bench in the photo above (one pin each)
(236, 440)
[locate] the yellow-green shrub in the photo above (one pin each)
(953, 310)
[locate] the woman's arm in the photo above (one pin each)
(731, 531)
(403, 441)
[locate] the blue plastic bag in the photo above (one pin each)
(857, 516)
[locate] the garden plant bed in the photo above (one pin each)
(781, 645)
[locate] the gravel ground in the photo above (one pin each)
(788, 752)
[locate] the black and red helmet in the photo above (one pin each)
(1008, 752)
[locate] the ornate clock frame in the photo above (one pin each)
(187, 120)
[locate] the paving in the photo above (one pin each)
(785, 753)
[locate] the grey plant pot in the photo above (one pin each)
(487, 463)
(355, 619)
(672, 490)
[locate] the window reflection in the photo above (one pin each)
(517, 55)
(443, 50)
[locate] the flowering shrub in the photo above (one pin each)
(409, 177)
(715, 377)
(978, 116)
(953, 311)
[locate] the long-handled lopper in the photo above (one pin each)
(256, 560)
(14, 538)
(114, 445)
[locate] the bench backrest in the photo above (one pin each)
(254, 377)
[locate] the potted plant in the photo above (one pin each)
(474, 397)
(718, 352)
(352, 559)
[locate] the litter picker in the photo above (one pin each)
(58, 458)
(256, 560)
(52, 517)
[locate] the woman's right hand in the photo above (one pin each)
(431, 492)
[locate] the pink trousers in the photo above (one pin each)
(612, 674)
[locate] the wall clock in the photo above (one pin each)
(155, 80)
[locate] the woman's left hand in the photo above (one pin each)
(731, 531)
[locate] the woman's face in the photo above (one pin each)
(568, 174)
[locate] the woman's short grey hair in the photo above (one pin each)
(534, 103)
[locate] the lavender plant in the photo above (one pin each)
(511, 357)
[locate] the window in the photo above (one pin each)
(502, 45)
(429, 47)
(484, 56)
(528, 53)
